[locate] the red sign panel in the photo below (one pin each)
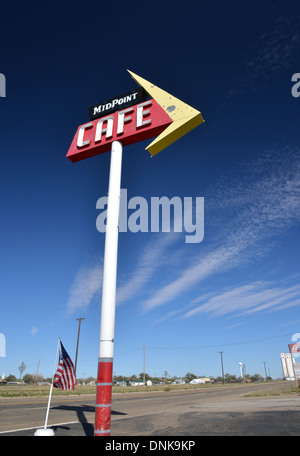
(130, 125)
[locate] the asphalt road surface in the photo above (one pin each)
(219, 411)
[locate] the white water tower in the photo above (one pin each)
(241, 369)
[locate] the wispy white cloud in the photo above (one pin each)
(152, 258)
(235, 325)
(86, 285)
(174, 314)
(208, 265)
(277, 48)
(249, 299)
(33, 330)
(256, 207)
(275, 51)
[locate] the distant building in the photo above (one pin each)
(196, 381)
(206, 379)
(140, 383)
(200, 380)
(121, 383)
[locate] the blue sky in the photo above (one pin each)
(237, 291)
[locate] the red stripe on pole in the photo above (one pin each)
(103, 399)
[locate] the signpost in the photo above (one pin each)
(115, 123)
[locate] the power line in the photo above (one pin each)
(221, 344)
(130, 351)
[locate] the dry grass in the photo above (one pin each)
(267, 389)
(43, 390)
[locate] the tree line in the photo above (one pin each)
(166, 378)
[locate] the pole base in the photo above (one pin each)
(103, 399)
(44, 432)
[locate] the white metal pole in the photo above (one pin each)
(51, 387)
(45, 431)
(107, 326)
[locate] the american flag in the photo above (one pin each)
(64, 377)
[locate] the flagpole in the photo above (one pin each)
(106, 343)
(51, 387)
(45, 431)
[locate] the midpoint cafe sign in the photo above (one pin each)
(130, 125)
(129, 119)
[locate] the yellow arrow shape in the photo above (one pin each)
(184, 117)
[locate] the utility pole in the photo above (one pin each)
(222, 367)
(144, 364)
(264, 363)
(79, 319)
(36, 373)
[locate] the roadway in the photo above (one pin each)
(217, 411)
